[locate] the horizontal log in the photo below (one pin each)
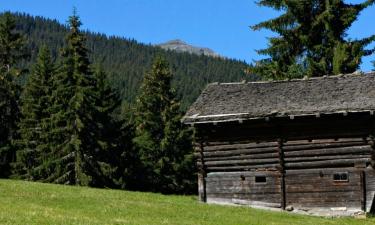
(327, 163)
(237, 182)
(330, 151)
(287, 147)
(241, 162)
(269, 173)
(239, 152)
(316, 171)
(240, 146)
(319, 158)
(243, 156)
(322, 141)
(244, 168)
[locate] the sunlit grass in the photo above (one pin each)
(35, 203)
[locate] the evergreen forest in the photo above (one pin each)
(83, 108)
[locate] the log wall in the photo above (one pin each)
(298, 173)
(242, 188)
(317, 188)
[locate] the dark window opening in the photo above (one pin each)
(260, 179)
(243, 177)
(341, 177)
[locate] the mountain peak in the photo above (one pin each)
(181, 46)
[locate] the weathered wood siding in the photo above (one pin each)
(298, 157)
(326, 153)
(317, 188)
(370, 190)
(241, 188)
(237, 156)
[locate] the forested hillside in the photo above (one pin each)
(126, 60)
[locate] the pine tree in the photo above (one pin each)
(311, 39)
(164, 144)
(11, 52)
(74, 131)
(33, 127)
(114, 138)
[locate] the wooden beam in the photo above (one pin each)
(363, 190)
(326, 163)
(282, 171)
(202, 176)
(330, 151)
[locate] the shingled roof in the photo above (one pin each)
(255, 100)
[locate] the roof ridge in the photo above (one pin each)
(297, 79)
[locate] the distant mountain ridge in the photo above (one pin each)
(181, 46)
(126, 60)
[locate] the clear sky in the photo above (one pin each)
(222, 25)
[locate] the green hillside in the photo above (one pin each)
(126, 60)
(36, 203)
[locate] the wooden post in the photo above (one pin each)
(363, 190)
(282, 171)
(202, 176)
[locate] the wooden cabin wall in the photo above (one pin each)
(311, 165)
(230, 176)
(242, 188)
(316, 188)
(370, 190)
(298, 161)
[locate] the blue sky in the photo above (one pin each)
(222, 25)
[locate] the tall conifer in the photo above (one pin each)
(34, 124)
(11, 52)
(164, 144)
(74, 131)
(113, 138)
(312, 39)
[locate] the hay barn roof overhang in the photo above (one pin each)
(340, 94)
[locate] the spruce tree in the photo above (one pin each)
(114, 137)
(33, 127)
(11, 52)
(164, 144)
(311, 39)
(74, 132)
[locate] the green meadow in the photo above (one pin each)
(37, 203)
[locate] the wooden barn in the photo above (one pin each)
(305, 145)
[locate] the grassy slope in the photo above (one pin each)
(35, 203)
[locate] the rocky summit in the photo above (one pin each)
(181, 46)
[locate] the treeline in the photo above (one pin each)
(62, 125)
(126, 61)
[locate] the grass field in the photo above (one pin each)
(36, 203)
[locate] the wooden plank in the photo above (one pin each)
(202, 177)
(239, 152)
(235, 146)
(243, 156)
(317, 171)
(267, 197)
(241, 162)
(330, 151)
(218, 200)
(363, 190)
(320, 158)
(273, 173)
(282, 171)
(322, 141)
(237, 168)
(327, 163)
(323, 145)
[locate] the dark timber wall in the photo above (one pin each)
(289, 163)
